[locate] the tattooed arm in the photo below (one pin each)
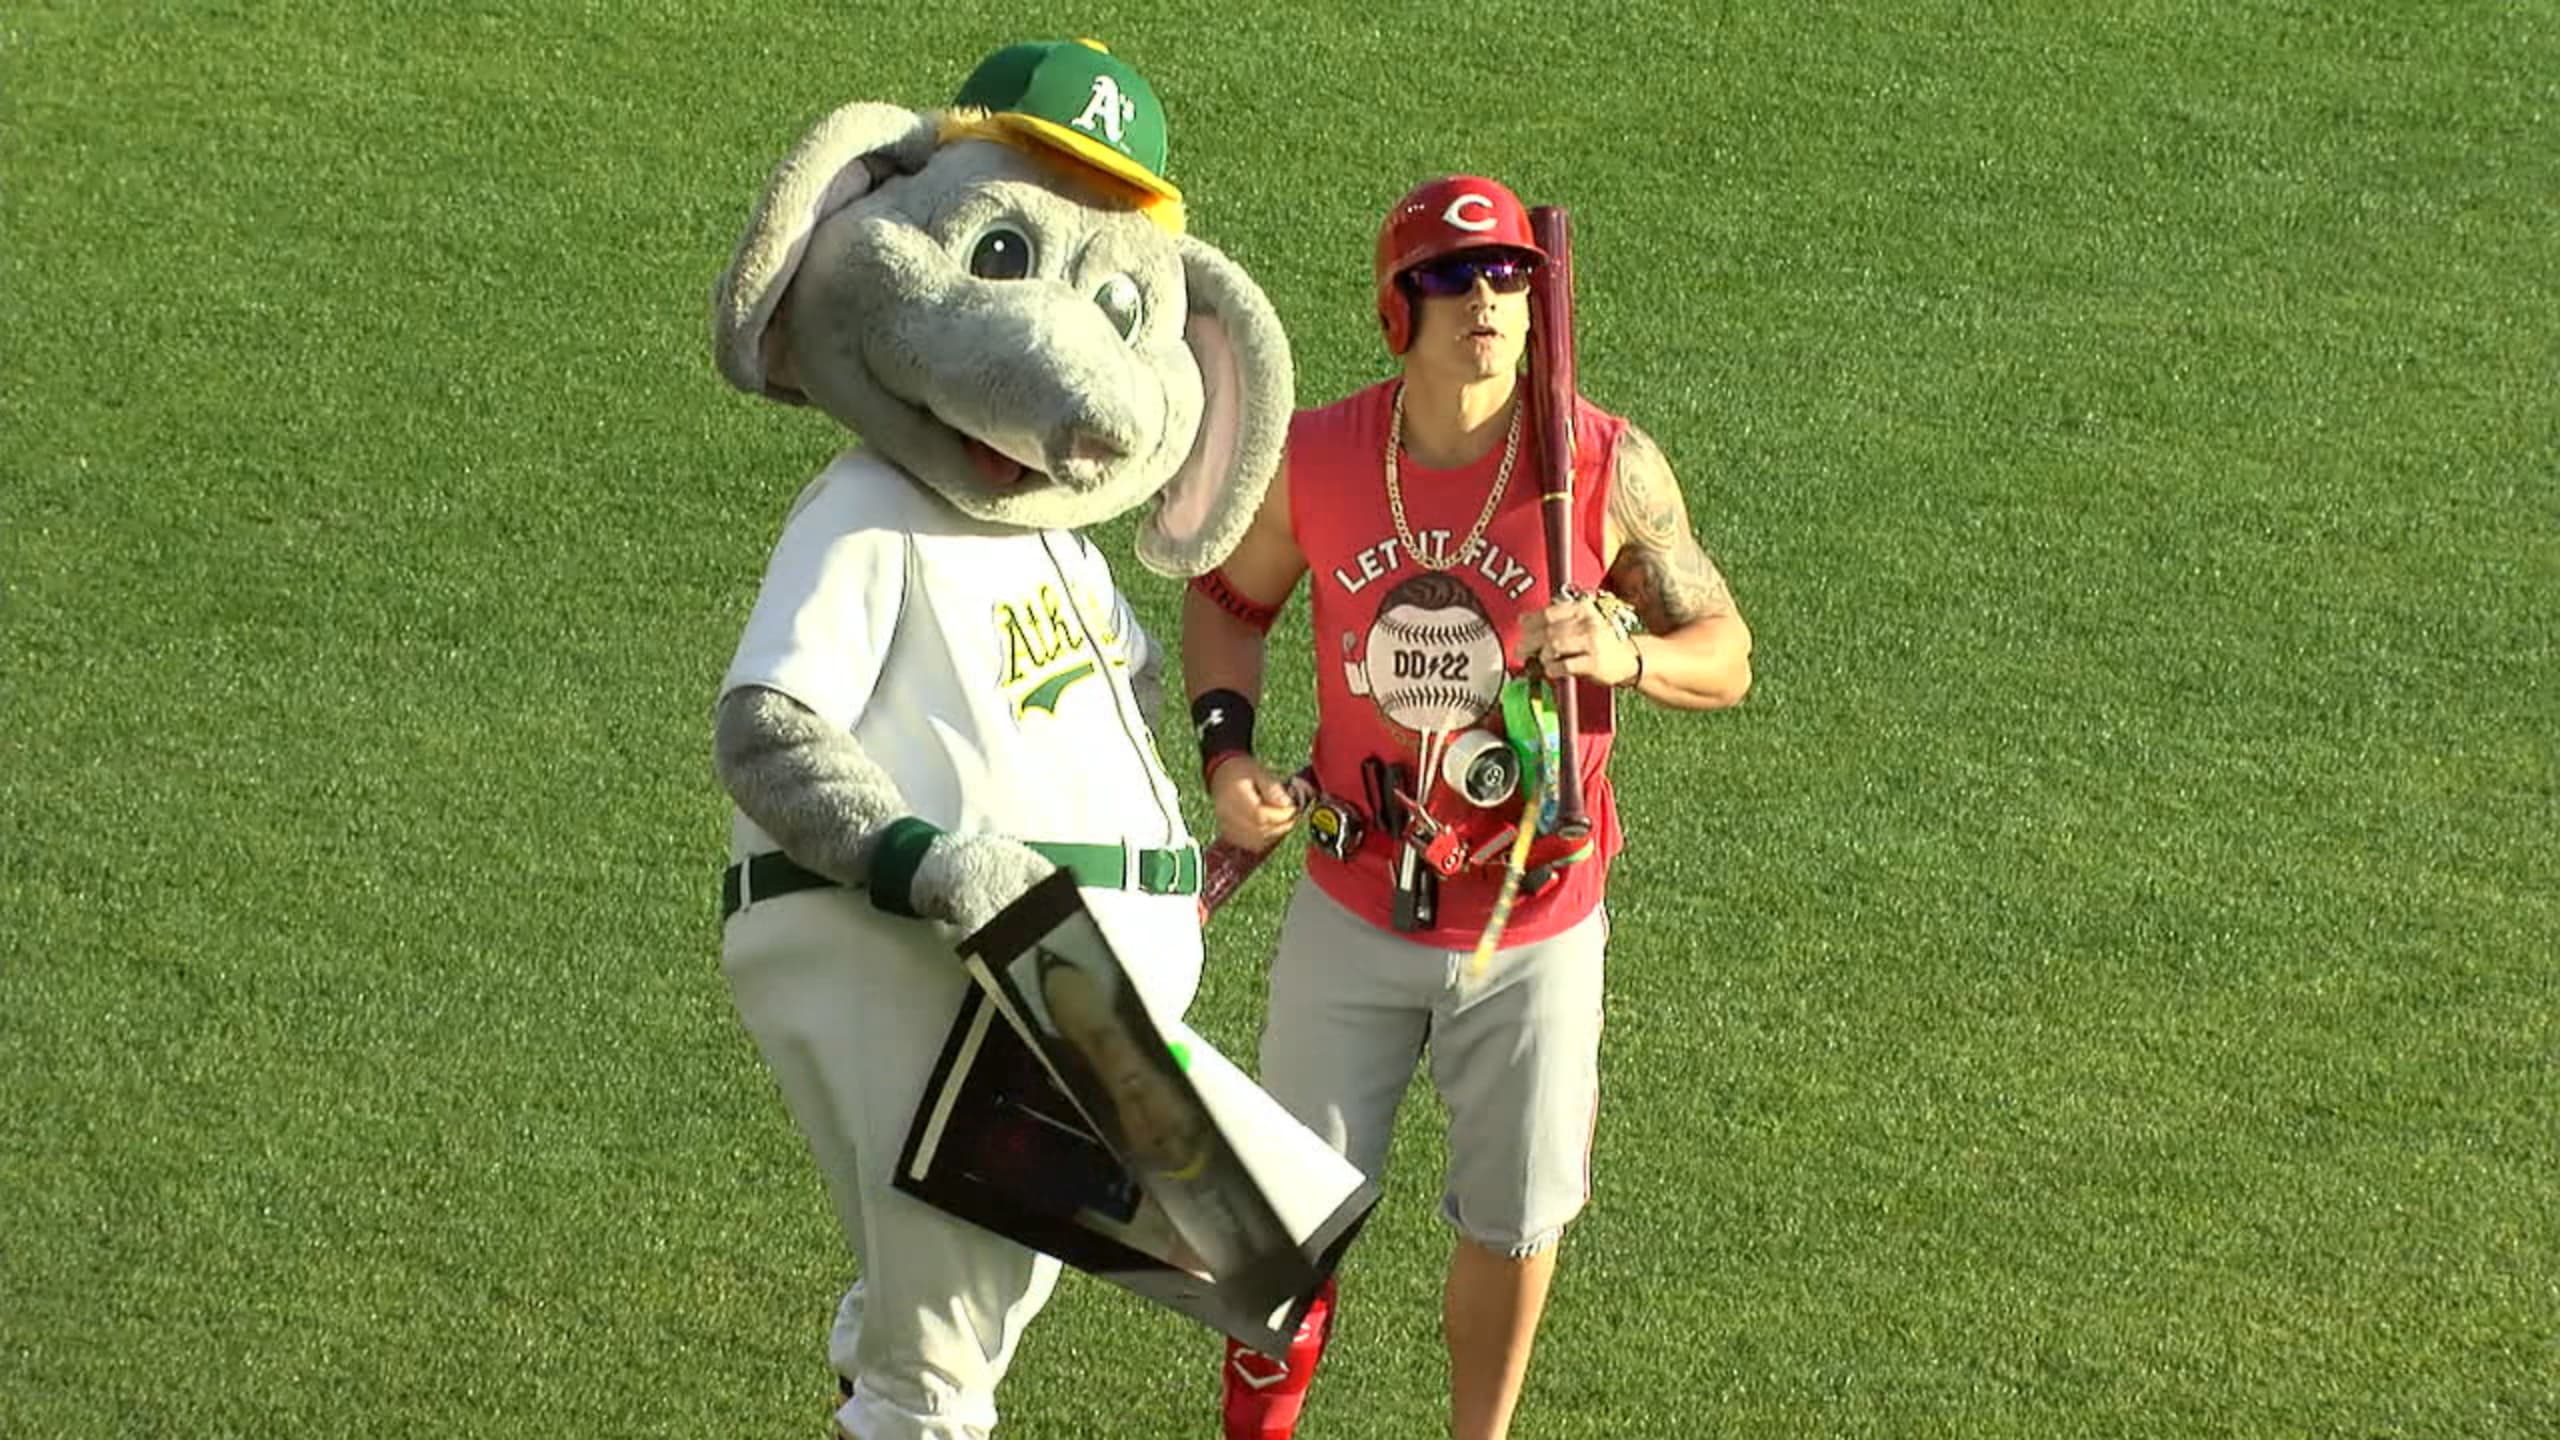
(1697, 650)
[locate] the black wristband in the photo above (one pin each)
(1223, 719)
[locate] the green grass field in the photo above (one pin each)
(2101, 984)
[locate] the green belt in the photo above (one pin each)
(1100, 867)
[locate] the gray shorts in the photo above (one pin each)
(1515, 1055)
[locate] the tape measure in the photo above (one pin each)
(1334, 828)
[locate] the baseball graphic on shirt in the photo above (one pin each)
(1432, 661)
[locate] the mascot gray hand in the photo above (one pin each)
(966, 879)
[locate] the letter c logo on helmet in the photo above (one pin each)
(1442, 217)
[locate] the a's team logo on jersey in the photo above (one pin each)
(1432, 660)
(1045, 650)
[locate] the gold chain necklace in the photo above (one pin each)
(1493, 498)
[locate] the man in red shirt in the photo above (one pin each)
(1424, 553)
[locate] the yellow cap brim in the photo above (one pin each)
(1147, 191)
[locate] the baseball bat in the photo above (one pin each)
(1551, 402)
(1225, 866)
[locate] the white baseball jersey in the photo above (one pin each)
(987, 671)
(965, 658)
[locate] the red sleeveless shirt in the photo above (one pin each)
(1402, 649)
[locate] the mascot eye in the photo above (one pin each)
(1002, 253)
(1120, 300)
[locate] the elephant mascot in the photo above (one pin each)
(941, 697)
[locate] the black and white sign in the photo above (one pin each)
(1064, 1115)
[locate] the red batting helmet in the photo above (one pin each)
(1460, 212)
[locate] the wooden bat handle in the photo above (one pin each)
(1224, 867)
(1552, 389)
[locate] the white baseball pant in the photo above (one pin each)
(849, 1008)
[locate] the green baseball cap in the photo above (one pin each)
(1076, 97)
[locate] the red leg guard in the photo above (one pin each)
(1264, 1396)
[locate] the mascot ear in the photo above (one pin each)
(1248, 388)
(840, 161)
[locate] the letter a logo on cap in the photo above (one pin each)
(1106, 106)
(1480, 223)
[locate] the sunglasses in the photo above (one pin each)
(1504, 274)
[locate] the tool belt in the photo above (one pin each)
(1461, 810)
(1097, 867)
